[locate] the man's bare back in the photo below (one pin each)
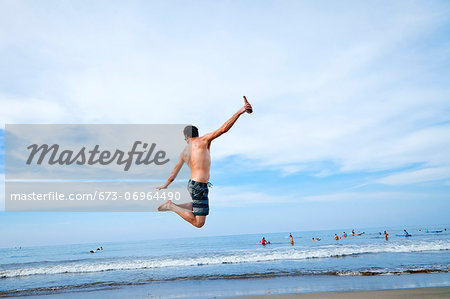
(197, 156)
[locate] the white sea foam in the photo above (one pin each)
(244, 256)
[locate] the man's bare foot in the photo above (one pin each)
(165, 206)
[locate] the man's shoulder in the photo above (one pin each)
(202, 140)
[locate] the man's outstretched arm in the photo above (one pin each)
(173, 174)
(228, 124)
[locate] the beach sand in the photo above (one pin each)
(429, 293)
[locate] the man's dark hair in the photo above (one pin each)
(191, 131)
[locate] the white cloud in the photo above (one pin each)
(352, 86)
(417, 176)
(238, 196)
(364, 196)
(21, 110)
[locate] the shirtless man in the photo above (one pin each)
(196, 155)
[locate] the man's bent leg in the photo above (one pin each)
(186, 214)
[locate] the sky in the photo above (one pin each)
(351, 102)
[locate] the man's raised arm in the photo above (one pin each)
(228, 124)
(173, 174)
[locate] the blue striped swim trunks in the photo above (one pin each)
(199, 193)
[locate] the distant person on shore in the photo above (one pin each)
(386, 235)
(292, 239)
(197, 156)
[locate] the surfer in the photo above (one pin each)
(344, 235)
(196, 155)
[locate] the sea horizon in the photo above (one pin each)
(235, 234)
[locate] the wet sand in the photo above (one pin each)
(429, 293)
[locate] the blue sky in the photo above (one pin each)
(351, 119)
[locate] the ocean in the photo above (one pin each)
(236, 265)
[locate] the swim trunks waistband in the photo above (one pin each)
(200, 183)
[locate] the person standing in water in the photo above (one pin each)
(386, 235)
(196, 155)
(292, 239)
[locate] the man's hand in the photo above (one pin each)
(247, 107)
(161, 187)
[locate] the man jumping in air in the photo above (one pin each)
(197, 156)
